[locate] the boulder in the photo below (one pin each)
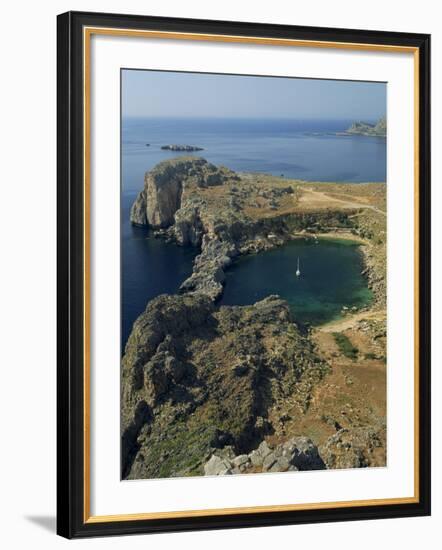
(298, 453)
(258, 456)
(281, 464)
(241, 462)
(302, 453)
(216, 466)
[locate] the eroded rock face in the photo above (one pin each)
(138, 212)
(188, 228)
(160, 199)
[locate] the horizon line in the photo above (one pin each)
(205, 117)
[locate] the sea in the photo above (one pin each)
(310, 150)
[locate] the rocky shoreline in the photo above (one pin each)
(365, 129)
(171, 204)
(208, 376)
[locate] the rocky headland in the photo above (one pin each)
(206, 388)
(366, 129)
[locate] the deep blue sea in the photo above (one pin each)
(149, 267)
(298, 149)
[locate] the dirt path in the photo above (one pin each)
(321, 199)
(351, 320)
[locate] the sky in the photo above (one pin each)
(174, 94)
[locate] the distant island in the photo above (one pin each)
(366, 129)
(358, 128)
(186, 148)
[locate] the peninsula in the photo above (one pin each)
(216, 390)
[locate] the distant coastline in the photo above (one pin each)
(259, 146)
(366, 129)
(358, 128)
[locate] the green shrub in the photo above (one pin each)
(345, 346)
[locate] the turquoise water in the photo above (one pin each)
(330, 279)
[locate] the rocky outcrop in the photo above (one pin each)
(198, 378)
(366, 129)
(161, 197)
(296, 454)
(348, 448)
(355, 448)
(208, 271)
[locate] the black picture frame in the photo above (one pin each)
(71, 520)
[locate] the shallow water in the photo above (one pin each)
(330, 279)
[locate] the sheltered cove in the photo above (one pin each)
(215, 379)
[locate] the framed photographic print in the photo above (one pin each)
(243, 274)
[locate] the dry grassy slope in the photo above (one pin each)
(261, 196)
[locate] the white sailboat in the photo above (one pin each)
(298, 272)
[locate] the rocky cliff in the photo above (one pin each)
(204, 387)
(161, 197)
(193, 202)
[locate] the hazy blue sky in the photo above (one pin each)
(172, 94)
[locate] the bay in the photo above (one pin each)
(306, 150)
